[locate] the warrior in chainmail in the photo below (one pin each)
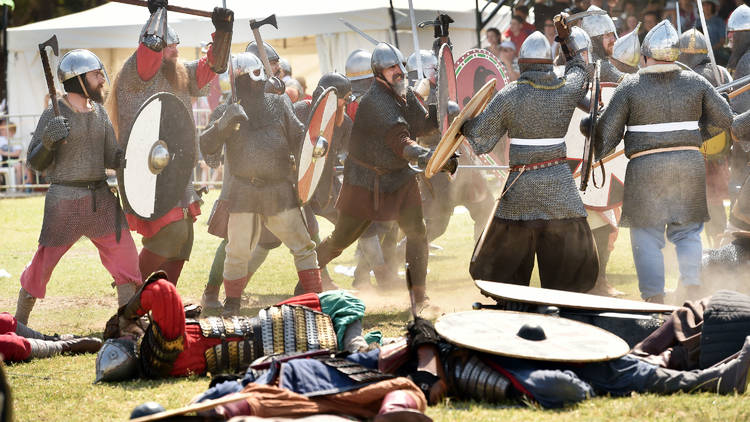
(379, 184)
(274, 85)
(694, 53)
(359, 72)
(321, 203)
(738, 29)
(603, 35)
(74, 149)
(540, 208)
(661, 111)
(626, 52)
(170, 343)
(154, 67)
(260, 158)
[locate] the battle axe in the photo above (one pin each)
(255, 26)
(51, 43)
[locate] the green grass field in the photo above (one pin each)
(80, 299)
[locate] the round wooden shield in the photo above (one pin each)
(473, 69)
(563, 299)
(322, 122)
(163, 124)
(609, 195)
(452, 138)
(530, 336)
(446, 86)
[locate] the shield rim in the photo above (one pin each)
(307, 141)
(445, 59)
(600, 334)
(452, 138)
(121, 171)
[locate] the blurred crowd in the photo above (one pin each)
(626, 14)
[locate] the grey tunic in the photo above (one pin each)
(83, 156)
(538, 105)
(667, 187)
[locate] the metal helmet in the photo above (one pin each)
(172, 37)
(116, 361)
(692, 41)
(536, 47)
(285, 66)
(739, 20)
(627, 49)
(662, 42)
(579, 41)
(358, 65)
(78, 62)
(384, 56)
(596, 25)
(429, 63)
(270, 51)
(337, 80)
(248, 64)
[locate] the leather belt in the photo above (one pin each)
(379, 171)
(540, 165)
(667, 149)
(537, 142)
(664, 127)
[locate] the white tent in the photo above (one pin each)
(116, 26)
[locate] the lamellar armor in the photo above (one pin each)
(535, 111)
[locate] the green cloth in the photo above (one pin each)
(8, 3)
(343, 309)
(374, 337)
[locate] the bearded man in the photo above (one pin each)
(74, 149)
(153, 68)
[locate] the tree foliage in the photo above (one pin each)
(30, 11)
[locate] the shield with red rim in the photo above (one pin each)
(473, 69)
(446, 86)
(317, 143)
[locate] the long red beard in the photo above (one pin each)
(176, 74)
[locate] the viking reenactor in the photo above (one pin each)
(626, 52)
(379, 184)
(259, 157)
(74, 149)
(359, 72)
(274, 85)
(694, 53)
(738, 33)
(663, 144)
(540, 211)
(443, 192)
(170, 344)
(603, 33)
(155, 67)
(20, 343)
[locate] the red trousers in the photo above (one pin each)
(14, 348)
(120, 259)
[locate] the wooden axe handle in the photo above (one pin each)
(170, 8)
(50, 81)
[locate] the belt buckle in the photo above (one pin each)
(185, 213)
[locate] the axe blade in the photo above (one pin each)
(271, 20)
(51, 43)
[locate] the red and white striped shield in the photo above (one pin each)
(317, 143)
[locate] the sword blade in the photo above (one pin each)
(704, 30)
(581, 15)
(737, 82)
(359, 31)
(415, 37)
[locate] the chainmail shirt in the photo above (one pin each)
(83, 156)
(380, 113)
(667, 187)
(538, 105)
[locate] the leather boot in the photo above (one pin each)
(232, 306)
(24, 305)
(724, 378)
(233, 289)
(655, 299)
(125, 292)
(400, 406)
(210, 299)
(47, 348)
